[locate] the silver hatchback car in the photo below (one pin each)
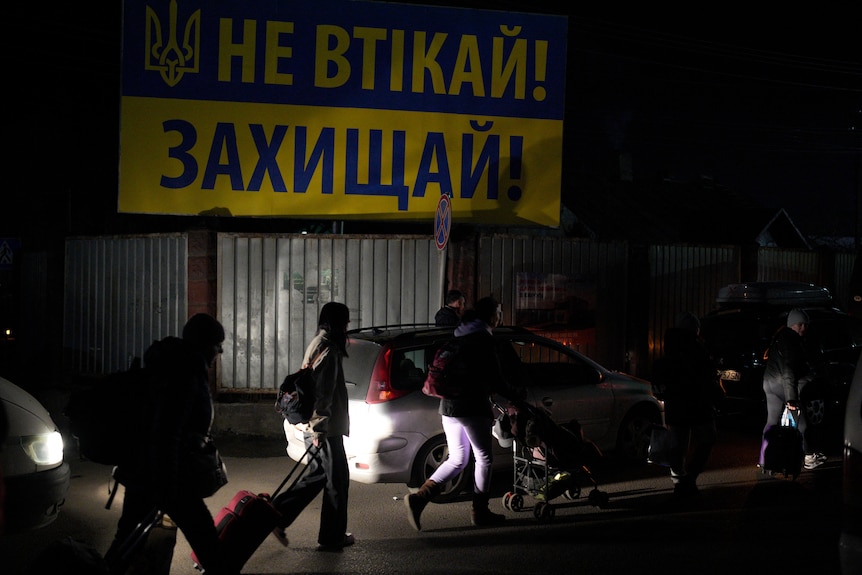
(396, 434)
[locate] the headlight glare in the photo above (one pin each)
(44, 449)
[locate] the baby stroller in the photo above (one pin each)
(550, 460)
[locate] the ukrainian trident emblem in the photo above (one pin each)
(168, 57)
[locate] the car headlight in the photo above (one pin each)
(44, 449)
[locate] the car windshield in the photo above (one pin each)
(550, 366)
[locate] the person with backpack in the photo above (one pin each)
(159, 475)
(329, 423)
(468, 418)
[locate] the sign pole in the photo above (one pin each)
(442, 227)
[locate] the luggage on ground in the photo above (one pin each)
(157, 553)
(136, 549)
(781, 450)
(72, 556)
(244, 523)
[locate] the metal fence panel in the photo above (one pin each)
(777, 264)
(595, 272)
(685, 278)
(271, 289)
(842, 277)
(121, 294)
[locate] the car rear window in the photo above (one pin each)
(358, 366)
(409, 367)
(835, 335)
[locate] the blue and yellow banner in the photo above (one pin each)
(341, 109)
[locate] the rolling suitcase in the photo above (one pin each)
(248, 519)
(73, 557)
(781, 450)
(141, 551)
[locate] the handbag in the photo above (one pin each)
(661, 444)
(206, 472)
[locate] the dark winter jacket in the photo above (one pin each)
(446, 316)
(687, 377)
(787, 368)
(483, 373)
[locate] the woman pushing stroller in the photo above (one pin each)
(485, 368)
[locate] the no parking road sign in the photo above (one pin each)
(442, 221)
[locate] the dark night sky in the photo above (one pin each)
(764, 104)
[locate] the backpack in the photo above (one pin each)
(110, 415)
(296, 396)
(446, 372)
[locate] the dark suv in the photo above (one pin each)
(740, 329)
(396, 433)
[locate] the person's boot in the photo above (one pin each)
(480, 515)
(417, 501)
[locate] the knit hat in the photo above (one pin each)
(796, 316)
(688, 321)
(203, 330)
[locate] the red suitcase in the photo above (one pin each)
(246, 521)
(242, 525)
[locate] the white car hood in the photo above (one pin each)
(26, 415)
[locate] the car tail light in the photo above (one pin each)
(380, 389)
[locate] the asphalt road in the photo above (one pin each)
(740, 523)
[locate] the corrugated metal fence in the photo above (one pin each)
(122, 293)
(600, 269)
(272, 288)
(685, 278)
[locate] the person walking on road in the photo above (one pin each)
(687, 377)
(468, 419)
(160, 476)
(787, 373)
(329, 423)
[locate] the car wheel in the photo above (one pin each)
(634, 434)
(430, 458)
(815, 411)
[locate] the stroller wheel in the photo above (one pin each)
(543, 511)
(516, 501)
(507, 501)
(599, 499)
(572, 492)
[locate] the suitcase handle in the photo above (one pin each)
(120, 558)
(284, 481)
